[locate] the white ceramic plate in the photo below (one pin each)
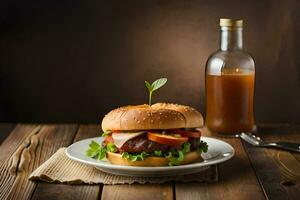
(218, 151)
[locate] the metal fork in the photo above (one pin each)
(257, 141)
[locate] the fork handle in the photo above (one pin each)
(288, 146)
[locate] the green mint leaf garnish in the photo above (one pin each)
(96, 151)
(94, 145)
(203, 147)
(91, 153)
(155, 86)
(101, 153)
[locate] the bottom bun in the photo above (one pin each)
(116, 158)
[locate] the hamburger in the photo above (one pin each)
(161, 134)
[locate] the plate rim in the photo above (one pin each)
(108, 165)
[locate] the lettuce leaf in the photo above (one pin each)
(175, 157)
(158, 153)
(111, 147)
(135, 157)
(106, 133)
(186, 148)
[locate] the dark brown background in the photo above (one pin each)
(72, 61)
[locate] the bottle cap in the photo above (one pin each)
(231, 22)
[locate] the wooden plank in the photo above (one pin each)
(278, 171)
(9, 156)
(297, 156)
(137, 191)
(237, 179)
(60, 191)
(5, 130)
(280, 131)
(38, 144)
(73, 192)
(15, 139)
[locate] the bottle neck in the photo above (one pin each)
(231, 38)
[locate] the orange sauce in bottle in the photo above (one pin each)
(229, 102)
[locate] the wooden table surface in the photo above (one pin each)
(254, 173)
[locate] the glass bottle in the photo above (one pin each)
(229, 78)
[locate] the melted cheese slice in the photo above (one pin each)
(122, 138)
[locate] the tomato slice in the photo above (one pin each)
(183, 133)
(108, 139)
(117, 131)
(166, 139)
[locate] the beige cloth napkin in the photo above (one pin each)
(61, 169)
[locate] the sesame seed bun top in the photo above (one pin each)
(157, 116)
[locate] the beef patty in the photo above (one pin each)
(142, 143)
